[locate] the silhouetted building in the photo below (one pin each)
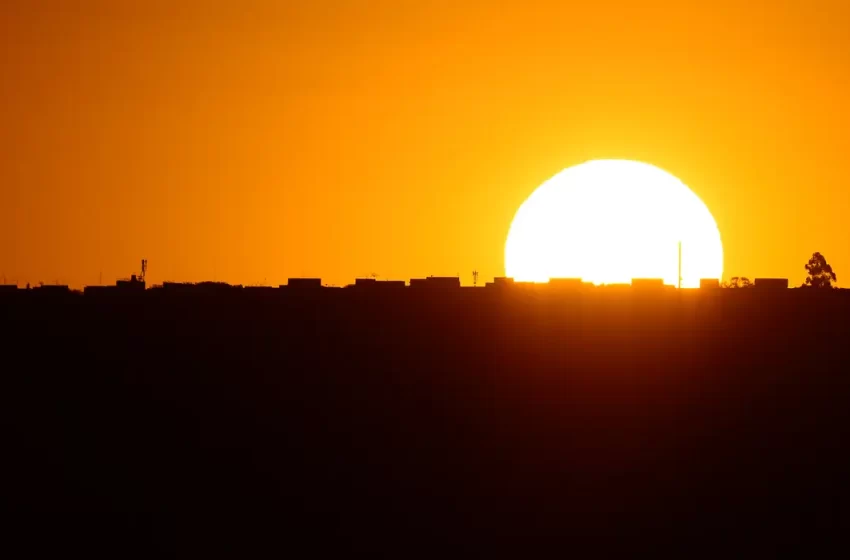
(499, 282)
(8, 288)
(709, 283)
(53, 289)
(372, 284)
(771, 283)
(443, 281)
(99, 290)
(132, 284)
(304, 283)
(436, 282)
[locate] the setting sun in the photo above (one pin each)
(609, 221)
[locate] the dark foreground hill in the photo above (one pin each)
(466, 423)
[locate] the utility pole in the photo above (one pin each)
(680, 265)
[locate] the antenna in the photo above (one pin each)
(474, 278)
(144, 270)
(680, 265)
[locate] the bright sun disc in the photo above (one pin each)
(609, 221)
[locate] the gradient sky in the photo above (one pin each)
(250, 141)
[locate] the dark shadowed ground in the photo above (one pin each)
(475, 422)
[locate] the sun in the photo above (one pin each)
(609, 221)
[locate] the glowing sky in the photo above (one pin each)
(244, 141)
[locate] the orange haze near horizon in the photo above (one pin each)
(252, 141)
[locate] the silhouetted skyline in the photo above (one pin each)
(484, 418)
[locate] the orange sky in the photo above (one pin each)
(243, 141)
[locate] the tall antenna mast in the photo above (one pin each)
(474, 278)
(680, 265)
(144, 270)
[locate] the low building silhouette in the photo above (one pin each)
(500, 282)
(303, 283)
(53, 289)
(99, 290)
(709, 283)
(372, 284)
(436, 282)
(364, 282)
(133, 283)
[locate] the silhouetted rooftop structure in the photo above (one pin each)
(709, 283)
(8, 288)
(499, 282)
(436, 282)
(374, 284)
(304, 283)
(99, 290)
(771, 283)
(53, 288)
(132, 284)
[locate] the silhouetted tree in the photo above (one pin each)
(820, 272)
(737, 282)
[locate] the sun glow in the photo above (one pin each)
(609, 221)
